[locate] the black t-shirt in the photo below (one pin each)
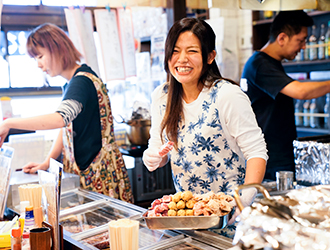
(262, 80)
(87, 138)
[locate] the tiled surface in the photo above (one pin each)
(244, 36)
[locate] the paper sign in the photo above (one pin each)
(80, 27)
(124, 17)
(107, 28)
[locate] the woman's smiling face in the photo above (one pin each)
(186, 63)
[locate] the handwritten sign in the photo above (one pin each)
(127, 40)
(80, 27)
(107, 28)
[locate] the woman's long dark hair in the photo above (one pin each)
(210, 72)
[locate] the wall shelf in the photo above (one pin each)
(261, 30)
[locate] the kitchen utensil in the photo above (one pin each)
(272, 206)
(31, 193)
(124, 234)
(138, 131)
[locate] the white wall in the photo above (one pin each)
(244, 31)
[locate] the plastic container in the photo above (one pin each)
(29, 218)
(16, 239)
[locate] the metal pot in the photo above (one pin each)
(138, 131)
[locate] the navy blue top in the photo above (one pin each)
(265, 78)
(87, 138)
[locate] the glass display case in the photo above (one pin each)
(85, 215)
(94, 214)
(77, 197)
(98, 238)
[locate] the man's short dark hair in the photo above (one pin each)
(289, 22)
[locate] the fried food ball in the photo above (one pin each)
(172, 206)
(190, 203)
(171, 212)
(181, 212)
(176, 197)
(189, 212)
(186, 195)
(181, 204)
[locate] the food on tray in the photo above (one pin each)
(77, 228)
(171, 212)
(167, 147)
(176, 197)
(100, 241)
(188, 204)
(181, 204)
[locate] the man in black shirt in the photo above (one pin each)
(272, 91)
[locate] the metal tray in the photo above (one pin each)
(186, 222)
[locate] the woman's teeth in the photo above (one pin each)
(183, 69)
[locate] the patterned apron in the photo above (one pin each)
(107, 173)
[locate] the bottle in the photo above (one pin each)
(313, 121)
(326, 110)
(306, 111)
(16, 239)
(298, 109)
(302, 54)
(29, 218)
(312, 43)
(298, 56)
(306, 50)
(321, 42)
(327, 42)
(23, 205)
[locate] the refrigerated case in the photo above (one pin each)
(85, 215)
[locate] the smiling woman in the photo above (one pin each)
(217, 142)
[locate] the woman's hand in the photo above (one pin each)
(33, 167)
(152, 159)
(4, 130)
(246, 198)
